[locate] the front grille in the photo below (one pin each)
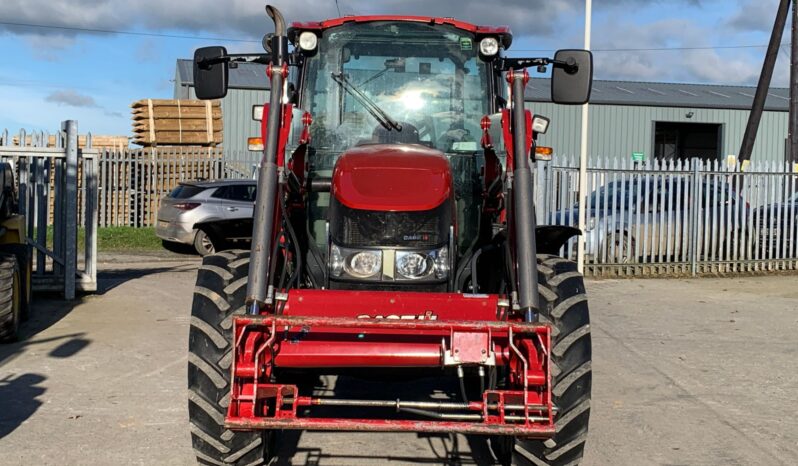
(367, 228)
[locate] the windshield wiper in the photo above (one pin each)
(379, 114)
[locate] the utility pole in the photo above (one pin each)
(582, 191)
(793, 131)
(764, 82)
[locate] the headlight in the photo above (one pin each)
(489, 46)
(257, 112)
(336, 261)
(413, 265)
(441, 258)
(407, 265)
(364, 264)
(540, 124)
(591, 223)
(308, 41)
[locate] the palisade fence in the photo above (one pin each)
(676, 217)
(644, 218)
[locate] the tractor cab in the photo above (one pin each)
(396, 107)
(389, 98)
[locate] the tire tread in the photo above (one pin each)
(217, 297)
(564, 306)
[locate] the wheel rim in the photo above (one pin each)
(622, 251)
(619, 250)
(205, 243)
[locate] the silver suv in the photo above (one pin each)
(207, 214)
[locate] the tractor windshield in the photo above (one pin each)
(399, 82)
(365, 76)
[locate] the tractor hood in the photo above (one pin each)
(392, 177)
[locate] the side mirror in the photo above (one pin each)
(211, 73)
(571, 84)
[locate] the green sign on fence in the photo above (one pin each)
(638, 157)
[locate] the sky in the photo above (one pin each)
(48, 74)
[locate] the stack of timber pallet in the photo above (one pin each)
(162, 122)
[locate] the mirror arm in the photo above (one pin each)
(206, 63)
(505, 64)
(570, 66)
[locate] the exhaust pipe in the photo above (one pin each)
(259, 289)
(524, 206)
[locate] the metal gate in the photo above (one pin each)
(58, 196)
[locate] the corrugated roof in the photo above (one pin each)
(245, 76)
(668, 95)
(653, 94)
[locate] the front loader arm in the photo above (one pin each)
(260, 292)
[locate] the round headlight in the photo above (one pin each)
(308, 41)
(336, 261)
(363, 264)
(489, 46)
(412, 264)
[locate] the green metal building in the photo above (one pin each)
(663, 120)
(654, 120)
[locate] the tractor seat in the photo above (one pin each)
(380, 135)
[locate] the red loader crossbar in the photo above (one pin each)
(268, 342)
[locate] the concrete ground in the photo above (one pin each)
(686, 372)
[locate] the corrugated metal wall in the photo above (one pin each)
(618, 131)
(237, 115)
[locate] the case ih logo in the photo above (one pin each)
(416, 237)
(426, 316)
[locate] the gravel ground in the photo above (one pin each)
(686, 372)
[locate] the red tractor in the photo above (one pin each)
(394, 240)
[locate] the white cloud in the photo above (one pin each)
(534, 19)
(754, 15)
(734, 66)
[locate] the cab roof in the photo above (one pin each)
(502, 32)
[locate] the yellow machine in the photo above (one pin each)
(15, 259)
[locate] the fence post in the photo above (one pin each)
(90, 216)
(71, 214)
(694, 217)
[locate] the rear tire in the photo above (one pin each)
(564, 306)
(220, 293)
(10, 298)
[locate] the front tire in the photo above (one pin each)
(23, 254)
(564, 306)
(219, 294)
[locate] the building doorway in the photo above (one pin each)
(685, 141)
